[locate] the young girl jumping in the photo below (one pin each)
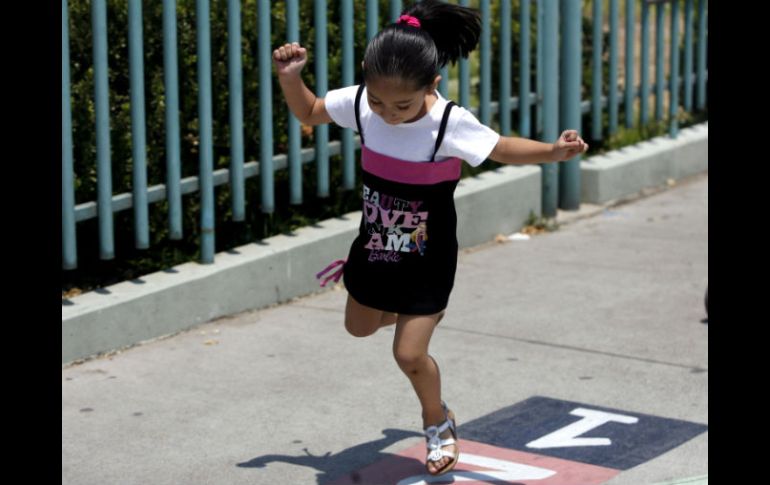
(400, 269)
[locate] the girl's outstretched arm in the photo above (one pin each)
(522, 151)
(289, 60)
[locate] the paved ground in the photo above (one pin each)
(607, 311)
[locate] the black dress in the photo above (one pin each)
(405, 256)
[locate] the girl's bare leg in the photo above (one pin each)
(410, 348)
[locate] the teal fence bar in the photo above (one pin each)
(372, 18)
(443, 84)
(570, 115)
(660, 10)
(702, 40)
(485, 111)
(550, 103)
(69, 237)
(644, 115)
(688, 55)
(612, 86)
(465, 76)
(206, 154)
(673, 105)
(630, 83)
(138, 139)
(505, 68)
(321, 87)
(596, 71)
(348, 152)
(102, 107)
(171, 92)
(295, 135)
(525, 67)
(235, 79)
(266, 170)
(539, 69)
(395, 9)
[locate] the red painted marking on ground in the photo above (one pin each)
(483, 464)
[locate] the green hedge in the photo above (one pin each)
(164, 253)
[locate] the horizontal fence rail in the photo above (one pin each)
(557, 71)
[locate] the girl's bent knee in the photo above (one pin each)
(359, 330)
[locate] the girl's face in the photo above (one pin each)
(396, 102)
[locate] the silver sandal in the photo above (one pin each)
(435, 444)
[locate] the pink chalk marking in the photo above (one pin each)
(410, 464)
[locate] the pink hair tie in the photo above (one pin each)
(409, 20)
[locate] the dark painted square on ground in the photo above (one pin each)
(631, 444)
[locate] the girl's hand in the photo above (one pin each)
(289, 59)
(569, 145)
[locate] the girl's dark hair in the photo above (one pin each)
(416, 54)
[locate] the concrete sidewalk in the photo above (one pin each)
(606, 311)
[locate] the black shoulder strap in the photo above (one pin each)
(358, 111)
(442, 128)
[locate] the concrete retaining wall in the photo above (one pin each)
(283, 267)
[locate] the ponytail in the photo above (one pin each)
(432, 34)
(454, 29)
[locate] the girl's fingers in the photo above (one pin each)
(577, 146)
(287, 51)
(573, 141)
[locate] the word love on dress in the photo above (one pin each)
(394, 226)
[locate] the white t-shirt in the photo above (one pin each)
(465, 137)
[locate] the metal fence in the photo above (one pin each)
(556, 98)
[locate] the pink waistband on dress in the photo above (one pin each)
(413, 173)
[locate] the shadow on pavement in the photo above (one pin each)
(334, 466)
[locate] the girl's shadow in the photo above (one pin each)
(333, 466)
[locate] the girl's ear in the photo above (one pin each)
(434, 86)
